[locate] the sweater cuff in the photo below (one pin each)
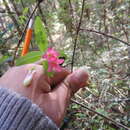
(18, 112)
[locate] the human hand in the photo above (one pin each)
(52, 102)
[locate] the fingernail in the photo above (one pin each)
(28, 79)
(81, 72)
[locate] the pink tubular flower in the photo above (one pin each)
(53, 61)
(51, 53)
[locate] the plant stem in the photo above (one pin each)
(107, 35)
(77, 33)
(113, 121)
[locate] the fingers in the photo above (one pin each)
(41, 76)
(61, 95)
(74, 81)
(58, 77)
(59, 98)
(39, 80)
(71, 84)
(77, 79)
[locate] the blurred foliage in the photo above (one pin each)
(29, 58)
(106, 59)
(40, 35)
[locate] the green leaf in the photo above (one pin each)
(45, 66)
(40, 35)
(29, 58)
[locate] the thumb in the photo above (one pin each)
(61, 95)
(74, 81)
(77, 79)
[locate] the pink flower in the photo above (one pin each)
(53, 61)
(51, 53)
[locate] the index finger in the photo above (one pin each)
(58, 76)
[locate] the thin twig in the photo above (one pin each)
(76, 37)
(113, 121)
(21, 38)
(107, 35)
(112, 100)
(12, 17)
(128, 95)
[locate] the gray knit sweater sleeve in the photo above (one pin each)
(19, 113)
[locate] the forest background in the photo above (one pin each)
(92, 33)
